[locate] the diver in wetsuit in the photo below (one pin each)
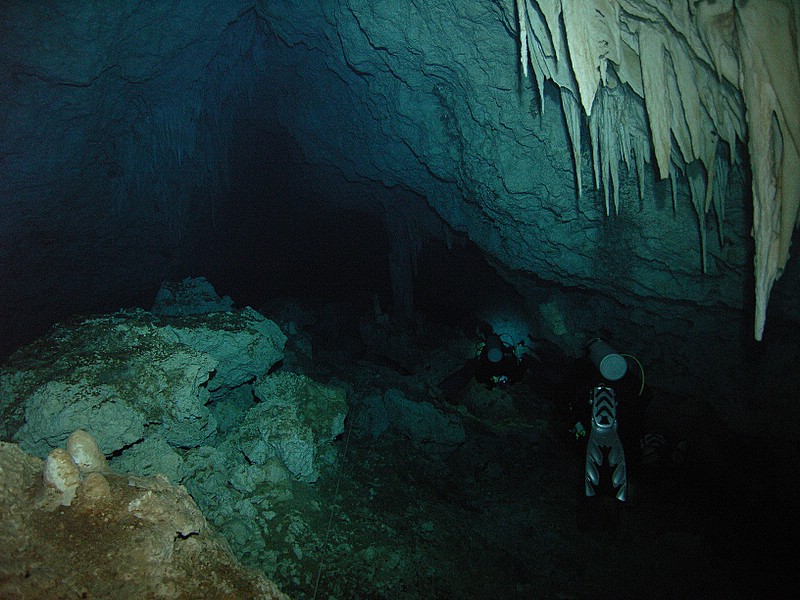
(607, 399)
(496, 365)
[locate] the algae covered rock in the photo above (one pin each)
(192, 296)
(294, 421)
(131, 375)
(421, 422)
(150, 389)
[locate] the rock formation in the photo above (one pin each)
(192, 400)
(108, 536)
(695, 71)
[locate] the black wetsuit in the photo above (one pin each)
(508, 370)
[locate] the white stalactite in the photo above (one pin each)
(699, 67)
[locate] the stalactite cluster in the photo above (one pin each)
(681, 82)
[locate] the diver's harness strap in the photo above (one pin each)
(604, 435)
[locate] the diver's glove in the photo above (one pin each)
(604, 435)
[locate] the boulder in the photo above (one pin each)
(130, 376)
(369, 415)
(192, 296)
(295, 420)
(423, 423)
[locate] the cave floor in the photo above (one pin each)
(490, 521)
(502, 516)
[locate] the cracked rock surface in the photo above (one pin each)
(135, 537)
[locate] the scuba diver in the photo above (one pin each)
(607, 402)
(603, 396)
(607, 398)
(496, 364)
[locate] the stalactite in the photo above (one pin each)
(696, 65)
(771, 87)
(573, 118)
(673, 181)
(722, 171)
(697, 193)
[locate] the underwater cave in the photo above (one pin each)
(348, 273)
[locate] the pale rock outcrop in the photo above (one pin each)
(84, 452)
(121, 537)
(77, 470)
(62, 474)
(93, 488)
